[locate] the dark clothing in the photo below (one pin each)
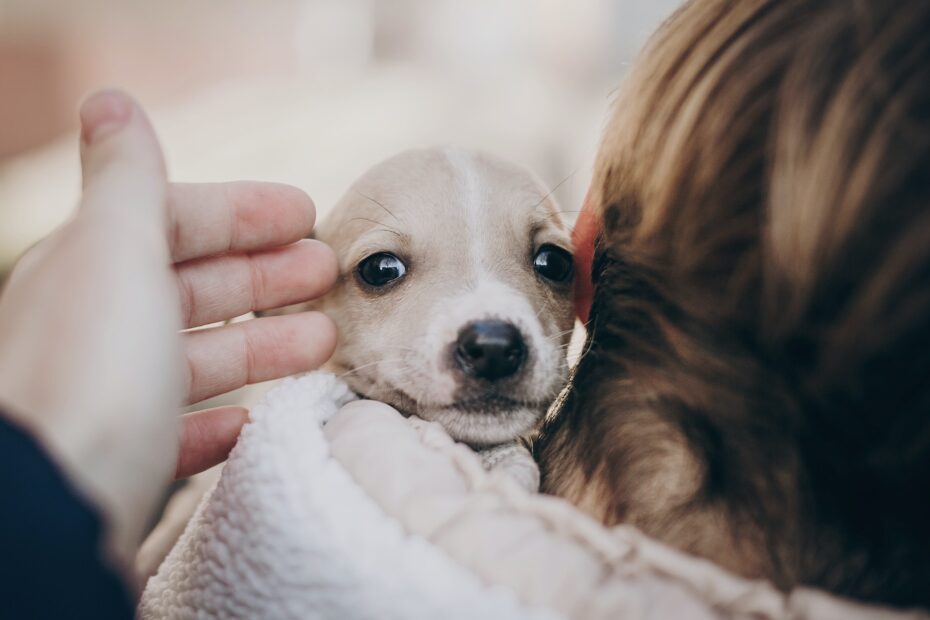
(51, 562)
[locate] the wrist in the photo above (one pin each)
(120, 480)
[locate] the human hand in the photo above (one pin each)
(90, 357)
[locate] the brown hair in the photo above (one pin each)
(756, 387)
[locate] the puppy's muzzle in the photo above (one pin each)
(490, 350)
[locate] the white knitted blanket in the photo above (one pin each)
(377, 516)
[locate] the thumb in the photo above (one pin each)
(121, 161)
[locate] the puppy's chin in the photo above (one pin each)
(483, 427)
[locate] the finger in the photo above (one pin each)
(215, 289)
(214, 218)
(121, 162)
(225, 358)
(206, 437)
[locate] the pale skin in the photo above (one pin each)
(93, 361)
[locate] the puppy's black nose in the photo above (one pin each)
(490, 350)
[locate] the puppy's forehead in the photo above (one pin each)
(452, 196)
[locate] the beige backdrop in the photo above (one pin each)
(309, 92)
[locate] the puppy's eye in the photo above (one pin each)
(553, 263)
(381, 269)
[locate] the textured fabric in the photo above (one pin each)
(287, 534)
(378, 516)
(50, 541)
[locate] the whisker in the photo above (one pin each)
(385, 228)
(368, 365)
(373, 201)
(560, 334)
(554, 189)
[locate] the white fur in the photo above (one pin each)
(490, 299)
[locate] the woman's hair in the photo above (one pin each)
(756, 387)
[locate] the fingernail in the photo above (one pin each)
(102, 114)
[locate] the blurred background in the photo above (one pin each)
(308, 92)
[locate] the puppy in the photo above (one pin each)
(454, 300)
(453, 304)
(757, 384)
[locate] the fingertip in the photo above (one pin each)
(121, 159)
(322, 335)
(307, 207)
(304, 342)
(207, 437)
(104, 112)
(323, 261)
(293, 343)
(293, 199)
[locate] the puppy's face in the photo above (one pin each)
(454, 302)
